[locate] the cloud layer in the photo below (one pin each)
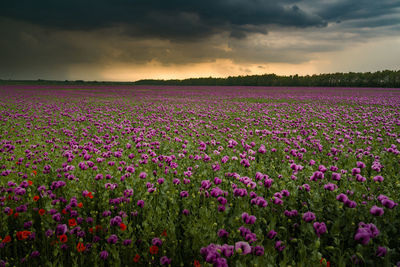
(55, 38)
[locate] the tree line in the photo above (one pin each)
(386, 78)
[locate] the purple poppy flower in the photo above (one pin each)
(319, 228)
(156, 241)
(116, 221)
(227, 250)
(104, 255)
(185, 212)
(165, 260)
(220, 262)
(184, 194)
(258, 250)
(381, 251)
(350, 204)
(242, 247)
(35, 254)
(127, 242)
(223, 233)
(330, 187)
(376, 211)
(112, 239)
(61, 229)
(309, 216)
(336, 176)
(272, 234)
(279, 246)
(342, 198)
(140, 203)
(248, 219)
(389, 203)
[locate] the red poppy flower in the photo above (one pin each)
(10, 212)
(16, 215)
(122, 226)
(98, 228)
(36, 198)
(22, 235)
(6, 239)
(30, 182)
(34, 172)
(91, 230)
(63, 238)
(80, 205)
(164, 233)
(64, 211)
(153, 250)
(136, 258)
(72, 222)
(90, 195)
(80, 247)
(42, 212)
(196, 263)
(323, 261)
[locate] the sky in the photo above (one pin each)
(128, 40)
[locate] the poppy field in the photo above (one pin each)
(199, 176)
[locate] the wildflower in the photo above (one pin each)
(258, 250)
(242, 247)
(308, 216)
(63, 238)
(41, 212)
(164, 233)
(136, 258)
(127, 242)
(22, 235)
(223, 233)
(381, 251)
(72, 222)
(319, 228)
(36, 198)
(35, 254)
(156, 242)
(61, 229)
(122, 226)
(365, 232)
(153, 250)
(185, 212)
(140, 203)
(184, 194)
(196, 263)
(104, 255)
(248, 219)
(376, 211)
(342, 198)
(6, 239)
(279, 246)
(271, 234)
(80, 247)
(165, 260)
(324, 262)
(112, 239)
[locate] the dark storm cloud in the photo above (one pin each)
(56, 38)
(361, 9)
(163, 19)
